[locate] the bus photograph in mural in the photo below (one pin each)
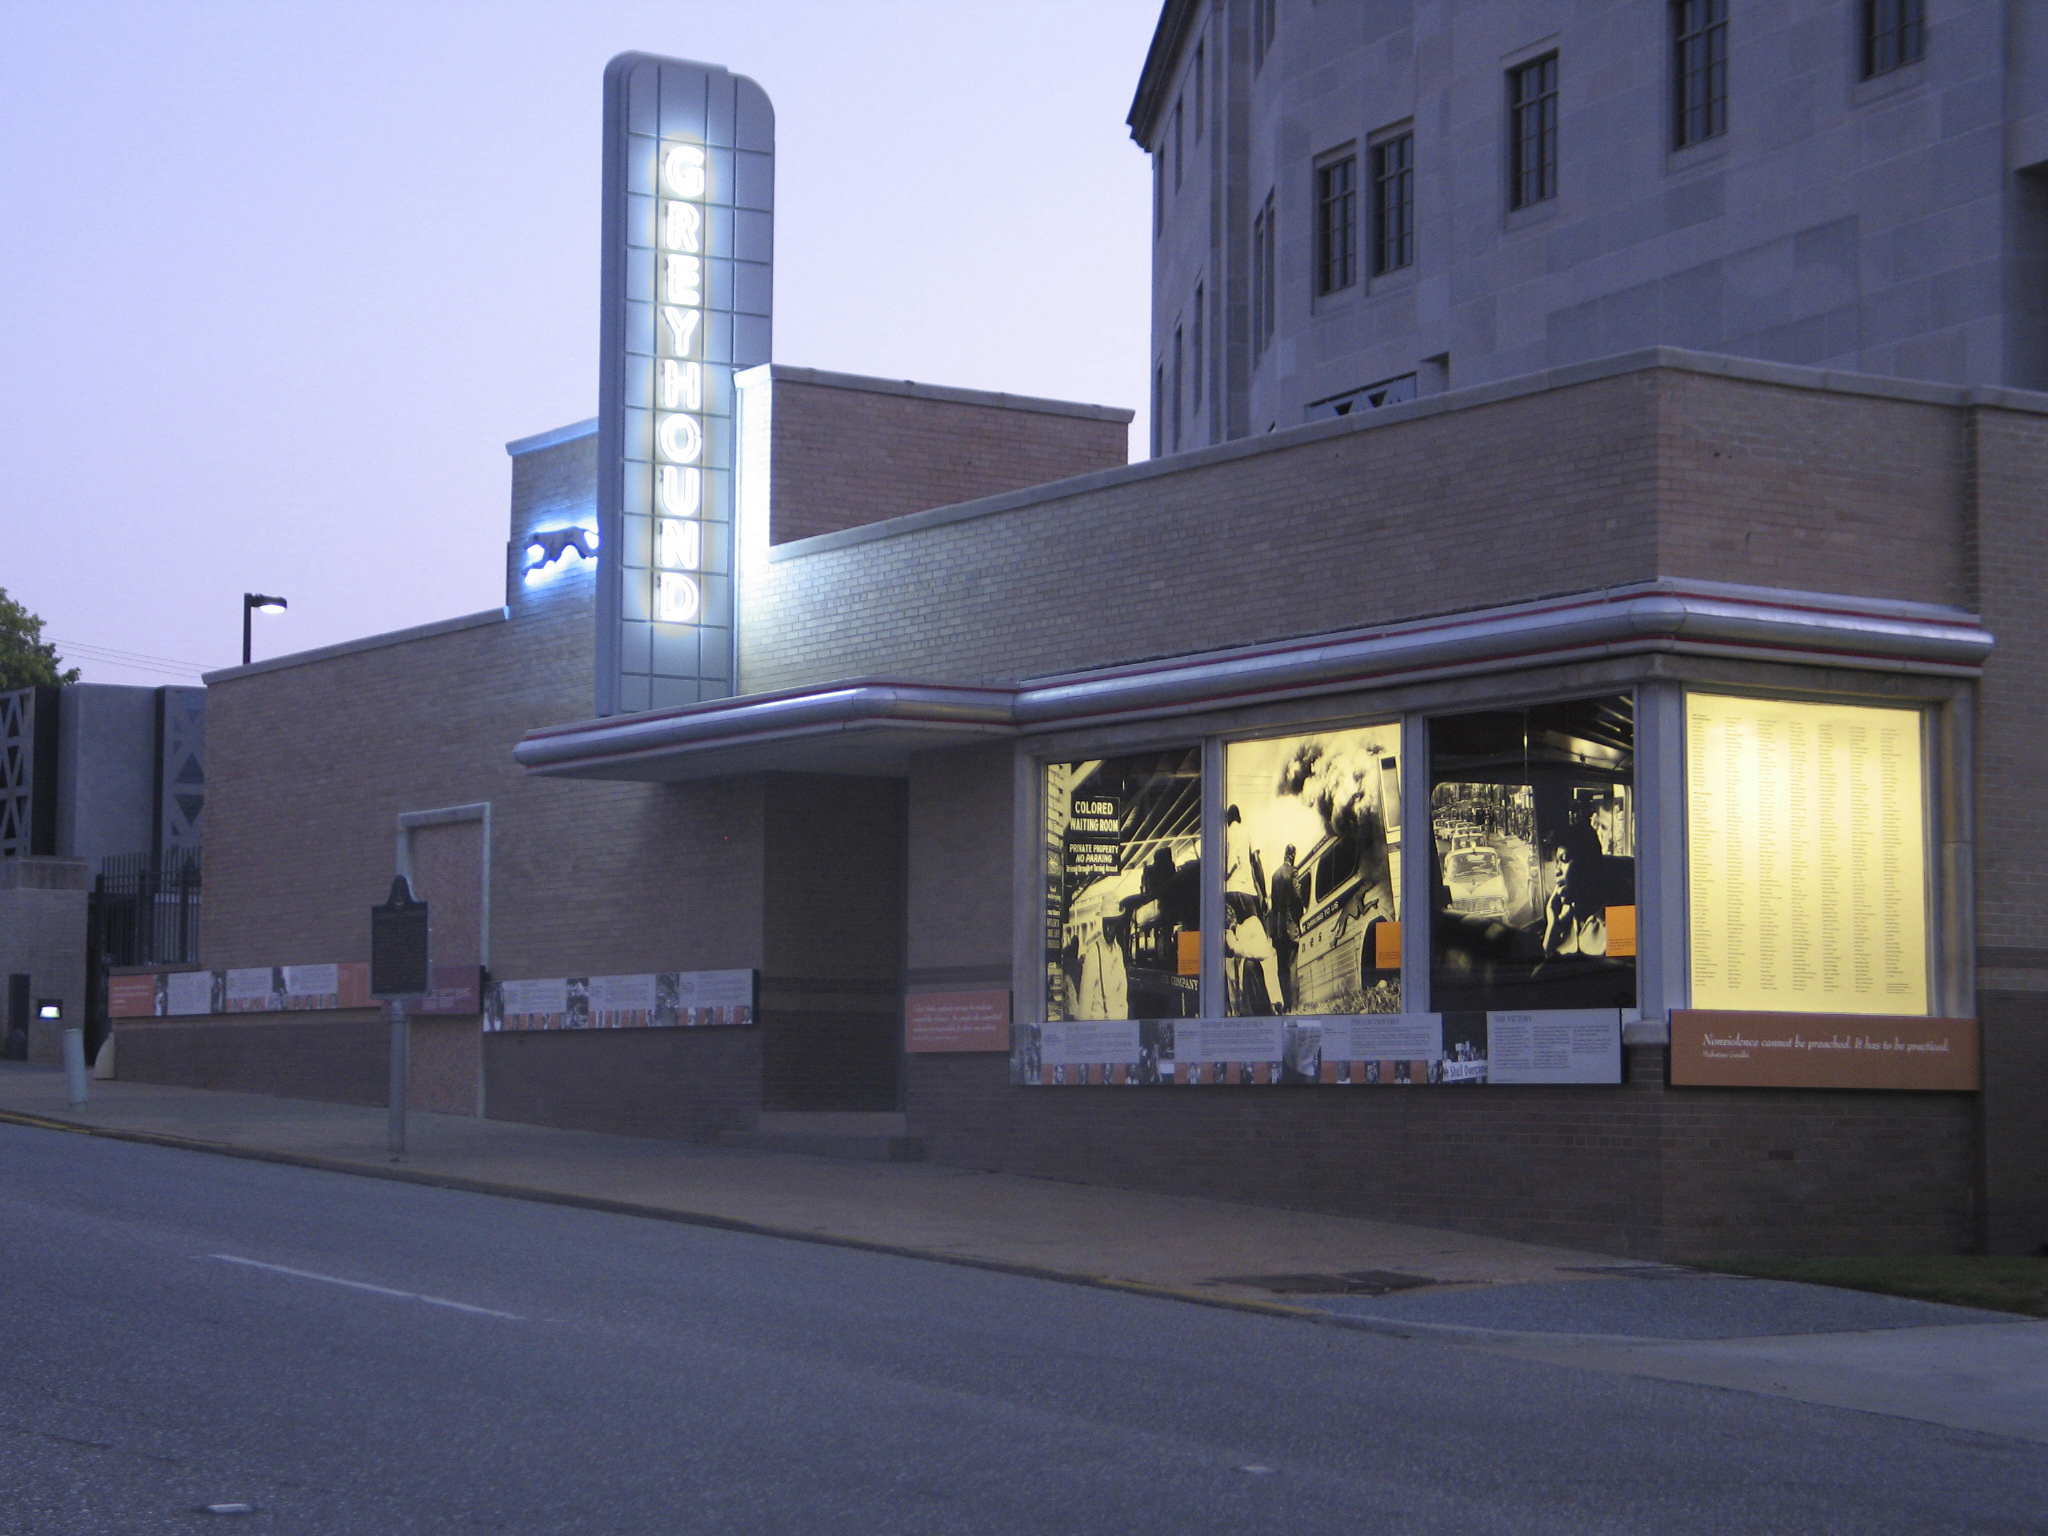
(1123, 887)
(1532, 831)
(1312, 873)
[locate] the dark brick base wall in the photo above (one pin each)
(2015, 1121)
(683, 1084)
(1640, 1171)
(338, 1061)
(1574, 1166)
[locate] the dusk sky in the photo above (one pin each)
(281, 280)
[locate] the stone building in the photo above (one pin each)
(1363, 200)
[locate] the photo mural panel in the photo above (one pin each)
(1312, 873)
(1123, 849)
(1533, 850)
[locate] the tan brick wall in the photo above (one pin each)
(309, 767)
(1657, 472)
(845, 457)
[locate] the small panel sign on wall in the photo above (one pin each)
(1725, 1049)
(1554, 1045)
(956, 1021)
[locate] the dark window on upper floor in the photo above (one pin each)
(1894, 33)
(1532, 132)
(1179, 154)
(1195, 359)
(1158, 189)
(1393, 203)
(1201, 74)
(1265, 22)
(1264, 246)
(1178, 354)
(1158, 407)
(1699, 72)
(1336, 224)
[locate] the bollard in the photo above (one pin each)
(74, 1066)
(401, 1071)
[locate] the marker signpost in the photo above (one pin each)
(399, 972)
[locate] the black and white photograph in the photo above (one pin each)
(1123, 887)
(1312, 867)
(1533, 834)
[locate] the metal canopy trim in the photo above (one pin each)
(871, 725)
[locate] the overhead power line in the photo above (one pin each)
(140, 661)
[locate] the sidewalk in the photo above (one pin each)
(1968, 1369)
(1072, 1231)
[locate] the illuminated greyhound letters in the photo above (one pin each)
(688, 243)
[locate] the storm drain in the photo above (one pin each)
(1355, 1282)
(1633, 1271)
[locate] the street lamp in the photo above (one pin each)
(251, 601)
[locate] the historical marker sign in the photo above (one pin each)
(398, 945)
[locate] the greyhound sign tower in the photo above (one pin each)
(689, 196)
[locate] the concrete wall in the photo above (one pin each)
(42, 935)
(107, 771)
(1874, 225)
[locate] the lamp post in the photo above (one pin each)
(251, 601)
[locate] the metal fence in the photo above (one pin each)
(146, 908)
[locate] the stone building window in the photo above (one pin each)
(1179, 353)
(1894, 33)
(1195, 358)
(1393, 204)
(1532, 132)
(1336, 224)
(1265, 22)
(1699, 70)
(1263, 249)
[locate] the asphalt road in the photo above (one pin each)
(347, 1355)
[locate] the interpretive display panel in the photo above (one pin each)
(1806, 856)
(1533, 847)
(454, 989)
(956, 1021)
(650, 1000)
(1312, 874)
(1345, 1049)
(1563, 1045)
(689, 176)
(1804, 1050)
(1123, 892)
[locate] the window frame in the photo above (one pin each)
(1336, 204)
(1179, 354)
(1404, 231)
(1899, 24)
(1699, 71)
(1530, 184)
(1264, 294)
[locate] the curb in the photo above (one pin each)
(462, 1185)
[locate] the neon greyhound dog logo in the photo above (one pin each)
(548, 545)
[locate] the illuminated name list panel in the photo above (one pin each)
(1806, 842)
(688, 250)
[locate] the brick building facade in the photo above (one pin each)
(864, 825)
